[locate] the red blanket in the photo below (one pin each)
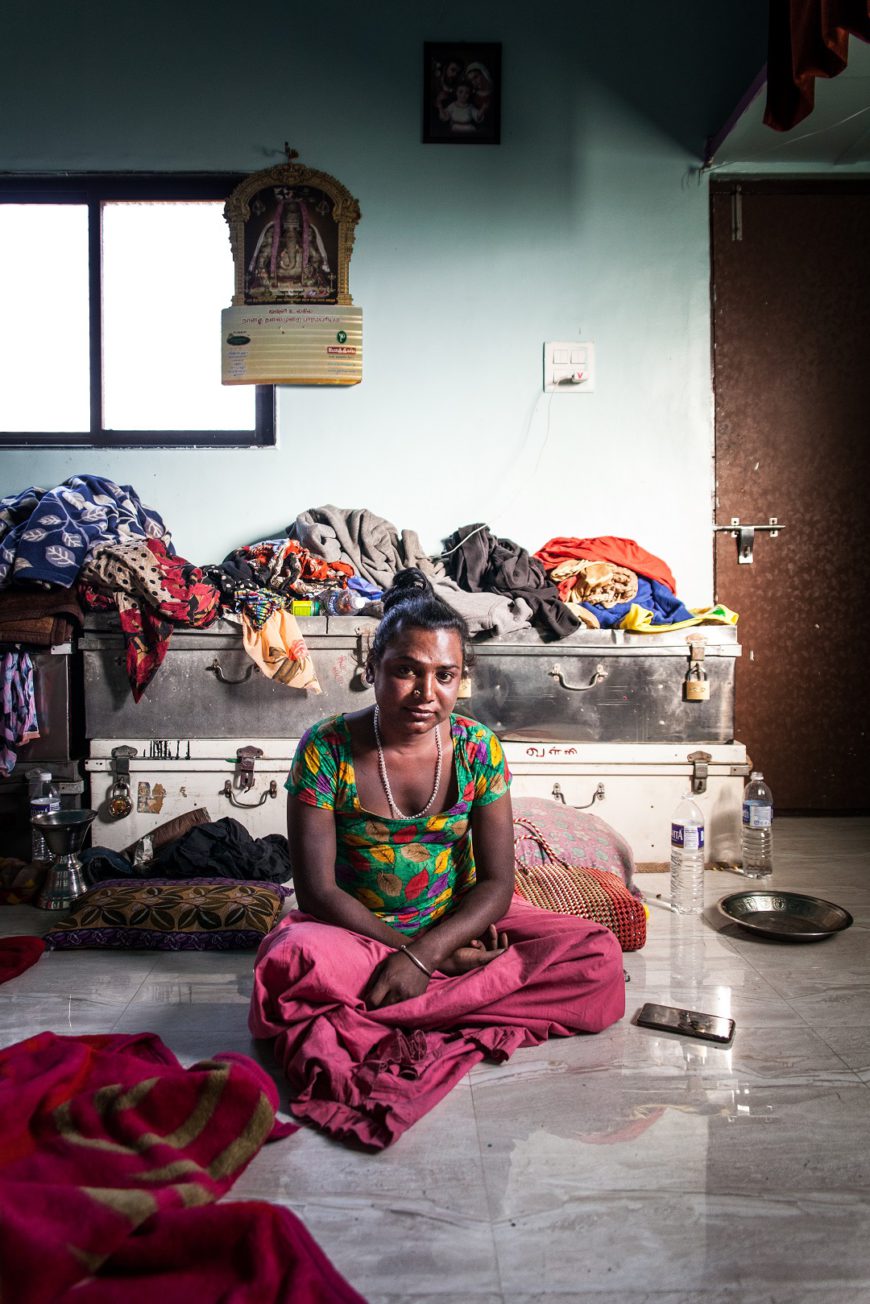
(111, 1156)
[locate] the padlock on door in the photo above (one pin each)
(697, 685)
(119, 803)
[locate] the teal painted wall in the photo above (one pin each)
(589, 221)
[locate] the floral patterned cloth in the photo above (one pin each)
(280, 651)
(284, 566)
(46, 534)
(153, 592)
(408, 872)
(200, 914)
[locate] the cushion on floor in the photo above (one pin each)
(199, 914)
(576, 836)
(562, 876)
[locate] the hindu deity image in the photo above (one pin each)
(294, 253)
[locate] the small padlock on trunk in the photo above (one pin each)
(119, 803)
(697, 685)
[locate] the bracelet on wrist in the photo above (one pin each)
(414, 960)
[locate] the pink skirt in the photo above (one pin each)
(364, 1076)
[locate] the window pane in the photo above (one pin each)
(167, 274)
(44, 350)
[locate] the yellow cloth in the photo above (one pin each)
(280, 651)
(640, 619)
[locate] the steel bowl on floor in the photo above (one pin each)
(788, 916)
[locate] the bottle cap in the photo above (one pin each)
(756, 774)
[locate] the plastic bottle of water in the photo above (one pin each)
(687, 858)
(344, 602)
(44, 800)
(757, 832)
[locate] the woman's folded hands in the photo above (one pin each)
(398, 978)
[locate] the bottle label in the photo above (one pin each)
(687, 837)
(757, 816)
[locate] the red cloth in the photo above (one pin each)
(807, 39)
(18, 954)
(364, 1076)
(247, 1252)
(622, 552)
(108, 1148)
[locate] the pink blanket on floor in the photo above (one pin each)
(111, 1156)
(17, 954)
(364, 1076)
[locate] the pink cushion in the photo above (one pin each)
(576, 836)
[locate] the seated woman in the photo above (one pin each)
(409, 959)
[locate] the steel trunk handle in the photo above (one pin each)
(598, 795)
(598, 677)
(216, 669)
(249, 805)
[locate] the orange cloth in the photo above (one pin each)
(623, 552)
(280, 651)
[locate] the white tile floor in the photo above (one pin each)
(631, 1166)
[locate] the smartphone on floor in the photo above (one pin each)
(692, 1023)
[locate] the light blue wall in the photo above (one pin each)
(588, 222)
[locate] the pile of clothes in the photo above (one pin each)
(95, 539)
(90, 544)
(610, 582)
(192, 845)
(188, 846)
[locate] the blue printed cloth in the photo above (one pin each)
(46, 534)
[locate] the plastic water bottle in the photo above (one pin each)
(687, 858)
(344, 602)
(757, 832)
(44, 800)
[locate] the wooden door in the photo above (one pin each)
(791, 363)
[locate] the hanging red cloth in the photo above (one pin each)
(807, 39)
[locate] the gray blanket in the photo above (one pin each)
(377, 550)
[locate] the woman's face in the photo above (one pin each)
(417, 679)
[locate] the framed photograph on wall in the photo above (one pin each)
(461, 93)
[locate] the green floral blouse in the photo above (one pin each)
(409, 872)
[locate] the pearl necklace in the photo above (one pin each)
(382, 767)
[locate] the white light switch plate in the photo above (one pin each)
(569, 367)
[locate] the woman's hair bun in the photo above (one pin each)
(407, 584)
(412, 603)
